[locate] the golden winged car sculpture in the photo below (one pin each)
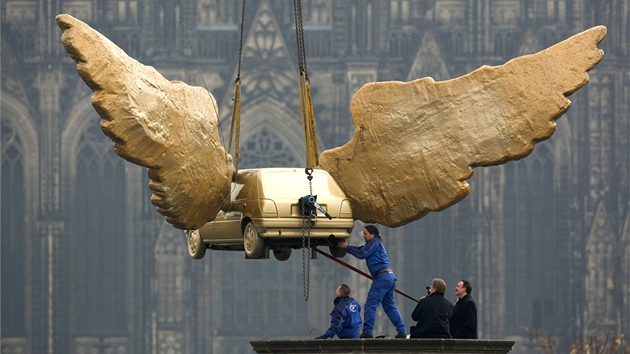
(415, 143)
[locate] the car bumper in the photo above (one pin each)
(292, 227)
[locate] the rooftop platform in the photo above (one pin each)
(389, 346)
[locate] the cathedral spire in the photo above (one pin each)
(428, 61)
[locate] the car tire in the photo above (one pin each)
(282, 254)
(337, 251)
(252, 242)
(196, 246)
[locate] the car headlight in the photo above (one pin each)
(268, 206)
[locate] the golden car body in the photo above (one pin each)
(264, 213)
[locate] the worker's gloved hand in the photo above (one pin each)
(320, 337)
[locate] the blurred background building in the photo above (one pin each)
(89, 266)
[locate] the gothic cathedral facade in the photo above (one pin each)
(89, 266)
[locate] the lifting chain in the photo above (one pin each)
(240, 45)
(299, 36)
(306, 237)
(312, 155)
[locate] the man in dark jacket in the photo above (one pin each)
(383, 282)
(463, 321)
(432, 313)
(345, 319)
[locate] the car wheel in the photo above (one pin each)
(282, 254)
(337, 251)
(253, 243)
(196, 246)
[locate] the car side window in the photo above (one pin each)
(236, 194)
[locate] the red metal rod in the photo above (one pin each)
(357, 270)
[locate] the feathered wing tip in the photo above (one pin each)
(416, 143)
(169, 127)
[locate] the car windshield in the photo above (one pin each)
(284, 183)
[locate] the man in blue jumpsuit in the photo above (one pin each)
(345, 319)
(383, 285)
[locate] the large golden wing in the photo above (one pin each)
(169, 127)
(416, 143)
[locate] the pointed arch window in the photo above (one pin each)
(318, 27)
(504, 44)
(399, 11)
(13, 237)
(127, 11)
(361, 23)
(317, 13)
(99, 238)
(217, 13)
(170, 270)
(169, 19)
(266, 149)
(602, 309)
(454, 43)
(21, 37)
(439, 256)
(458, 44)
(499, 45)
(529, 230)
(218, 25)
(601, 133)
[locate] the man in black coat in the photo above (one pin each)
(432, 313)
(463, 321)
